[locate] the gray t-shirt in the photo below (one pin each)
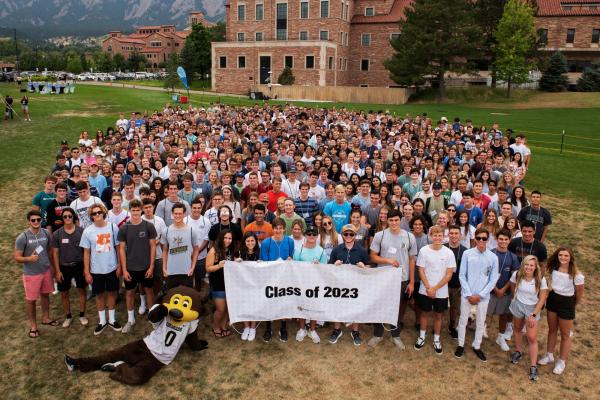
(30, 243)
(181, 242)
(68, 245)
(362, 235)
(137, 244)
(102, 243)
(164, 210)
(399, 247)
(371, 214)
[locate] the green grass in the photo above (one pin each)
(196, 85)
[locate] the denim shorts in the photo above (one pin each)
(217, 294)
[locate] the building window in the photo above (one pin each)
(543, 36)
(394, 36)
(324, 9)
(241, 36)
(595, 36)
(155, 44)
(330, 63)
(241, 12)
(288, 61)
(365, 39)
(258, 36)
(260, 12)
(364, 65)
(241, 61)
(222, 62)
(109, 49)
(176, 44)
(369, 12)
(364, 85)
(310, 62)
(303, 35)
(570, 35)
(281, 23)
(304, 9)
(324, 35)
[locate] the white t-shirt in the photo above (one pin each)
(292, 189)
(202, 226)
(81, 208)
(526, 292)
(118, 219)
(564, 285)
(161, 227)
(166, 339)
(101, 242)
(317, 193)
(465, 239)
(436, 263)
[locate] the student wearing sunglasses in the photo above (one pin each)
(31, 250)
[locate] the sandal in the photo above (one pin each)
(217, 334)
(225, 333)
(51, 323)
(34, 333)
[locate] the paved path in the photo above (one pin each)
(154, 88)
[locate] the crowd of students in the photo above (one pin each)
(166, 198)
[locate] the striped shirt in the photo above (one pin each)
(306, 209)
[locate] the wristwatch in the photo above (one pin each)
(534, 315)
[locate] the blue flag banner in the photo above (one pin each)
(182, 76)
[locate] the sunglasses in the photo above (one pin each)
(481, 238)
(327, 223)
(96, 213)
(348, 234)
(35, 220)
(67, 216)
(451, 210)
(310, 234)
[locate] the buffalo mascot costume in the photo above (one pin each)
(175, 321)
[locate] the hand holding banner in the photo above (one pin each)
(267, 291)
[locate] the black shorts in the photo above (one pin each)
(158, 273)
(138, 277)
(427, 304)
(563, 306)
(403, 287)
(105, 282)
(179, 280)
(71, 272)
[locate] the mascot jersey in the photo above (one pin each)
(166, 339)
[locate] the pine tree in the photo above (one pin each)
(554, 78)
(172, 78)
(438, 36)
(196, 53)
(590, 79)
(515, 36)
(286, 77)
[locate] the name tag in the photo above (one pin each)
(392, 250)
(65, 241)
(433, 213)
(39, 250)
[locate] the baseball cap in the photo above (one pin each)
(444, 119)
(437, 185)
(292, 169)
(263, 197)
(311, 229)
(63, 142)
(349, 227)
(239, 175)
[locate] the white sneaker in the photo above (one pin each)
(508, 332)
(142, 310)
(501, 341)
(300, 335)
(374, 341)
(67, 322)
(245, 333)
(83, 321)
(398, 343)
(251, 334)
(55, 288)
(314, 336)
(546, 359)
(559, 367)
(128, 327)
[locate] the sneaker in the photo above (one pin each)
(533, 373)
(99, 329)
(142, 310)
(300, 335)
(314, 336)
(398, 343)
(127, 328)
(516, 357)
(437, 346)
(356, 339)
(508, 332)
(111, 367)
(501, 341)
(251, 334)
(480, 354)
(283, 335)
(267, 336)
(559, 367)
(374, 341)
(419, 343)
(245, 333)
(546, 359)
(335, 336)
(459, 352)
(116, 326)
(83, 321)
(67, 322)
(453, 333)
(70, 363)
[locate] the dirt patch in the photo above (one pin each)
(82, 114)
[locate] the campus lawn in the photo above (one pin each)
(230, 368)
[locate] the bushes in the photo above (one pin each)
(286, 77)
(554, 78)
(590, 79)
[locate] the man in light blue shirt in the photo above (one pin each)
(339, 209)
(478, 275)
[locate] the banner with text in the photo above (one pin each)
(268, 291)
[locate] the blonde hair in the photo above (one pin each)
(537, 274)
(323, 233)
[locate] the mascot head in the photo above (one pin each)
(183, 303)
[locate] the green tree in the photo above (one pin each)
(172, 79)
(438, 36)
(136, 62)
(488, 14)
(515, 36)
(286, 77)
(554, 78)
(590, 79)
(104, 62)
(120, 62)
(196, 53)
(74, 63)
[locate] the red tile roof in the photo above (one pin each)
(396, 14)
(568, 8)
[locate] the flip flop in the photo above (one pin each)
(33, 334)
(217, 334)
(225, 333)
(51, 323)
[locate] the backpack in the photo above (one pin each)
(428, 203)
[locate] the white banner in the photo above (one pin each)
(268, 291)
